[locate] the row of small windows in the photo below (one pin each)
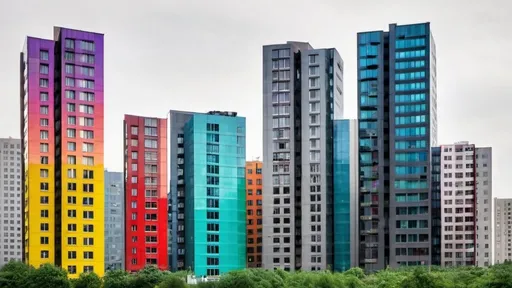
(84, 45)
(410, 43)
(410, 119)
(413, 131)
(410, 98)
(411, 197)
(84, 70)
(412, 224)
(412, 210)
(410, 86)
(365, 62)
(80, 83)
(373, 73)
(408, 76)
(83, 58)
(71, 254)
(411, 30)
(368, 50)
(410, 54)
(410, 64)
(411, 184)
(410, 170)
(71, 227)
(410, 108)
(281, 53)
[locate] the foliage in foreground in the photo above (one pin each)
(17, 275)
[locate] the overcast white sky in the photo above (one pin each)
(206, 55)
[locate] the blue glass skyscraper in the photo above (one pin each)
(215, 213)
(345, 195)
(397, 106)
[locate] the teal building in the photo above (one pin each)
(345, 163)
(215, 217)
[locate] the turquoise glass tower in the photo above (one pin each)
(215, 217)
(345, 206)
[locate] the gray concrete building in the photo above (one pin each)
(484, 206)
(114, 221)
(302, 94)
(10, 200)
(176, 210)
(503, 230)
(397, 107)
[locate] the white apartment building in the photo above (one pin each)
(465, 205)
(503, 231)
(10, 201)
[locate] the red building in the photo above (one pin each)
(145, 171)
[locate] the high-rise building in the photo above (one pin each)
(253, 174)
(176, 210)
(207, 212)
(503, 232)
(397, 100)
(10, 201)
(302, 94)
(465, 190)
(114, 220)
(145, 174)
(61, 97)
(346, 194)
(215, 215)
(484, 206)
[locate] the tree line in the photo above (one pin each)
(19, 275)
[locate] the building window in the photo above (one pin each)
(43, 55)
(43, 110)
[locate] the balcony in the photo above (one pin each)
(371, 176)
(370, 162)
(368, 190)
(370, 260)
(369, 203)
(371, 245)
(368, 217)
(369, 232)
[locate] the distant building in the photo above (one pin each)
(145, 176)
(10, 201)
(503, 230)
(465, 178)
(253, 170)
(346, 183)
(114, 220)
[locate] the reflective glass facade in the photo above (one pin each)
(345, 194)
(398, 125)
(215, 195)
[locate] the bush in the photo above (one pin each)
(173, 282)
(88, 280)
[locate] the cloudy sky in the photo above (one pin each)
(206, 55)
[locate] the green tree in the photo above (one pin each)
(117, 279)
(14, 274)
(173, 282)
(88, 280)
(237, 279)
(148, 277)
(419, 278)
(210, 284)
(47, 276)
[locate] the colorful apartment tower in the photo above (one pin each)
(61, 101)
(254, 189)
(145, 170)
(215, 220)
